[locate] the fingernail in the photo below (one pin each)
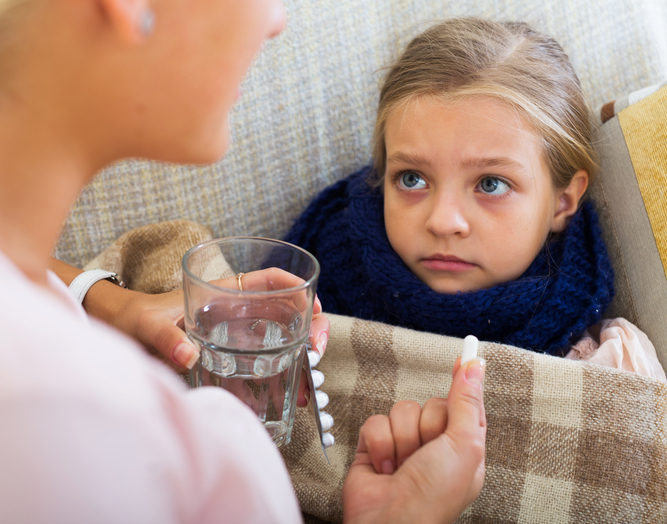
(322, 399)
(322, 342)
(475, 371)
(313, 358)
(318, 378)
(185, 354)
(388, 467)
(326, 420)
(317, 301)
(328, 440)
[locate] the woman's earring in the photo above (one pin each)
(147, 23)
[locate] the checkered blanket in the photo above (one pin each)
(566, 441)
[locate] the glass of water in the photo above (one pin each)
(248, 307)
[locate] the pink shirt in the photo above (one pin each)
(94, 430)
(618, 343)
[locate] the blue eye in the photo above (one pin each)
(493, 186)
(411, 180)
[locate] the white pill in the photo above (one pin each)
(318, 378)
(313, 358)
(326, 420)
(327, 440)
(470, 344)
(322, 399)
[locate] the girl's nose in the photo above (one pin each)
(447, 217)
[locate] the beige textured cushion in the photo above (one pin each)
(630, 194)
(306, 115)
(148, 258)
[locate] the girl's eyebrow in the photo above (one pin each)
(401, 157)
(408, 158)
(484, 163)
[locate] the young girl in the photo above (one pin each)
(471, 219)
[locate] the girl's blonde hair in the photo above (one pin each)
(508, 61)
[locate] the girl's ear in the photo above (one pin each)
(132, 20)
(568, 200)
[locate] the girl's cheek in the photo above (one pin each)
(410, 198)
(510, 198)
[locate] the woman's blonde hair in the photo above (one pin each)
(7, 6)
(9, 10)
(508, 61)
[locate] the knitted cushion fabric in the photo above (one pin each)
(564, 291)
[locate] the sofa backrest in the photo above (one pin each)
(306, 115)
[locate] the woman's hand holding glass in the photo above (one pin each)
(156, 321)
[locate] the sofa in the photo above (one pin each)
(305, 120)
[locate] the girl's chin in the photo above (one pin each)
(453, 286)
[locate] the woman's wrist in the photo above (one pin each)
(104, 300)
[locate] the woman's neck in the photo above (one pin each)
(41, 174)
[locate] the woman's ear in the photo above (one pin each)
(568, 200)
(132, 20)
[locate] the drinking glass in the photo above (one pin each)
(248, 308)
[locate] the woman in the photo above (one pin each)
(93, 429)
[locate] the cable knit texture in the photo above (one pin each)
(565, 290)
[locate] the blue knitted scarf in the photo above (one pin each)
(565, 290)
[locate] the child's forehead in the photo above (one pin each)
(472, 114)
(423, 106)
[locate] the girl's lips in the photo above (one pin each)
(446, 264)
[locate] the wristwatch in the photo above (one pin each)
(81, 284)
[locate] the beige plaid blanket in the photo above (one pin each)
(566, 441)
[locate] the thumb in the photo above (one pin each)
(184, 352)
(465, 405)
(170, 341)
